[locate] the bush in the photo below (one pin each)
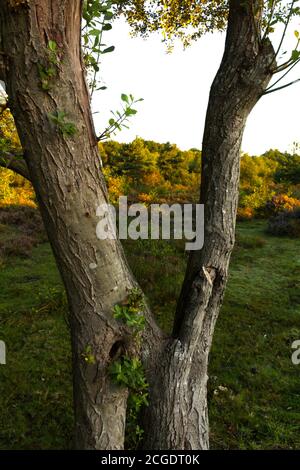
(256, 199)
(28, 230)
(285, 223)
(15, 190)
(153, 179)
(281, 203)
(145, 198)
(27, 219)
(245, 213)
(20, 246)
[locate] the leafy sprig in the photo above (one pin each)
(97, 16)
(120, 118)
(66, 128)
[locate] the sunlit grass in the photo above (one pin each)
(253, 387)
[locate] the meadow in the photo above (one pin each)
(254, 391)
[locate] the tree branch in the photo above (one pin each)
(16, 163)
(285, 28)
(269, 21)
(283, 67)
(283, 76)
(206, 272)
(272, 90)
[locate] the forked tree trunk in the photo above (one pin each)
(65, 172)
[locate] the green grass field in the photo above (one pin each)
(254, 393)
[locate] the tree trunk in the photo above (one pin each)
(179, 418)
(65, 172)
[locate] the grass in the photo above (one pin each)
(251, 355)
(254, 391)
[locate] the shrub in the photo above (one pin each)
(15, 190)
(19, 246)
(245, 213)
(27, 219)
(281, 203)
(145, 198)
(285, 223)
(256, 199)
(117, 185)
(28, 230)
(153, 179)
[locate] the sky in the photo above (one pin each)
(175, 88)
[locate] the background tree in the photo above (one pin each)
(43, 68)
(133, 160)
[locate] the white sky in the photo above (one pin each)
(175, 88)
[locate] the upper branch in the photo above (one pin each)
(16, 163)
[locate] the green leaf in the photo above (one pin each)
(52, 46)
(94, 32)
(108, 49)
(295, 55)
(124, 98)
(107, 27)
(108, 15)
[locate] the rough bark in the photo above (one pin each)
(178, 417)
(65, 172)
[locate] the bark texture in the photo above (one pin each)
(65, 172)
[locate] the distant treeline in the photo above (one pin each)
(152, 172)
(148, 172)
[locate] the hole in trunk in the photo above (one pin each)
(117, 350)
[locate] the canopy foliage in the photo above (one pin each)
(185, 19)
(190, 19)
